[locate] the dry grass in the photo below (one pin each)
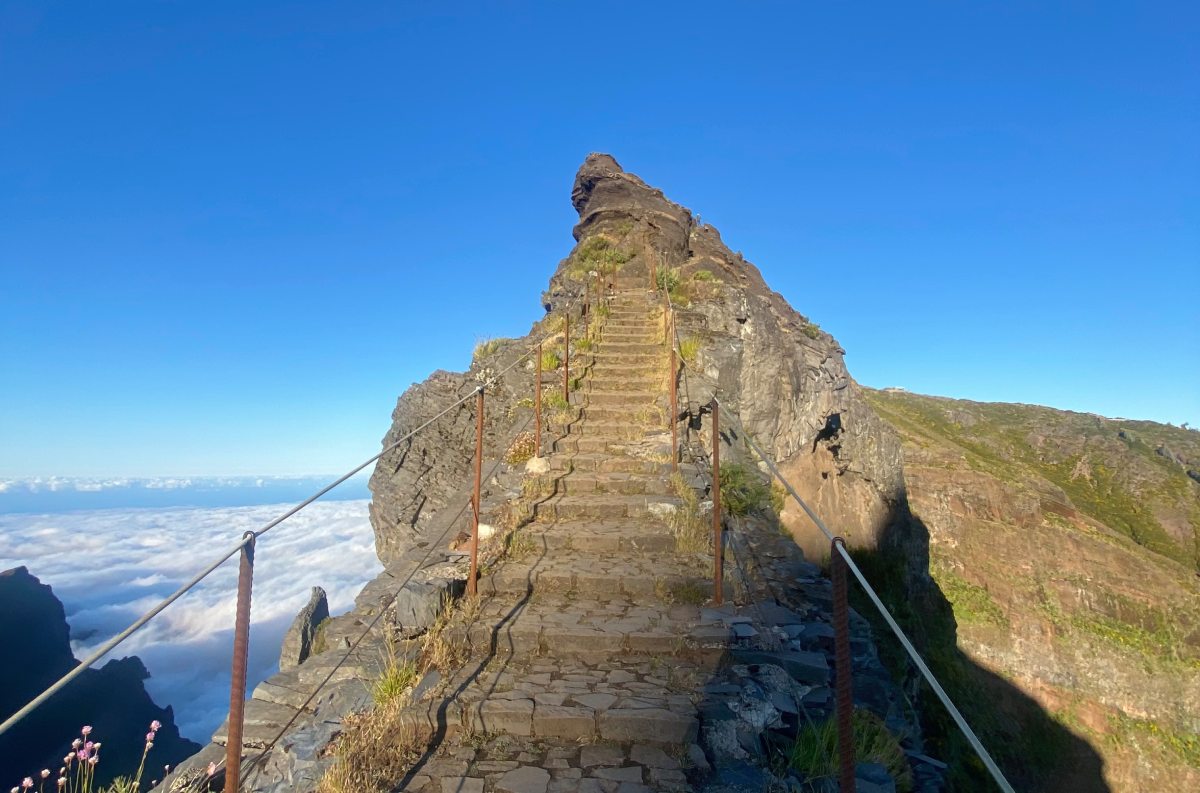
(691, 531)
(521, 449)
(375, 749)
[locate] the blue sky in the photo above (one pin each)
(231, 234)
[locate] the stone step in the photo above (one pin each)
(601, 536)
(645, 347)
(604, 506)
(631, 357)
(605, 463)
(614, 626)
(624, 398)
(629, 484)
(599, 575)
(630, 415)
(636, 380)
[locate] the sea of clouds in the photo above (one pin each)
(108, 566)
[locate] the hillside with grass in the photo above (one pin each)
(1068, 546)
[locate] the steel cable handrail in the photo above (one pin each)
(955, 714)
(141, 621)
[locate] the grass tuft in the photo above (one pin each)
(814, 754)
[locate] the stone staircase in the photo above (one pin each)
(589, 649)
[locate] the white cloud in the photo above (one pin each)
(108, 566)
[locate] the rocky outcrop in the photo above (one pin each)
(769, 365)
(111, 699)
(298, 642)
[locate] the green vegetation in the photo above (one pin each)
(815, 752)
(971, 603)
(602, 310)
(812, 330)
(743, 490)
(668, 278)
(703, 275)
(551, 360)
(689, 348)
(554, 400)
(1183, 745)
(585, 345)
(397, 679)
(486, 347)
(598, 253)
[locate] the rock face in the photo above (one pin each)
(112, 699)
(299, 639)
(1067, 546)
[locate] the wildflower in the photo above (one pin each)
(155, 725)
(86, 731)
(93, 760)
(62, 781)
(82, 754)
(27, 783)
(75, 744)
(45, 773)
(212, 768)
(149, 737)
(96, 745)
(16, 790)
(149, 745)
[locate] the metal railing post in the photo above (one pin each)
(718, 538)
(241, 648)
(472, 583)
(567, 355)
(842, 668)
(674, 419)
(537, 402)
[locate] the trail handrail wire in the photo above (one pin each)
(112, 643)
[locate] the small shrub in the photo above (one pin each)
(689, 348)
(550, 360)
(521, 449)
(690, 530)
(624, 227)
(743, 491)
(374, 750)
(585, 345)
(518, 545)
(486, 347)
(667, 278)
(778, 497)
(702, 275)
(602, 311)
(814, 754)
(812, 330)
(397, 680)
(554, 400)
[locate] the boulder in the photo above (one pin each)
(299, 640)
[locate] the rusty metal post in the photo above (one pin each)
(537, 402)
(241, 648)
(842, 668)
(718, 526)
(674, 402)
(653, 277)
(567, 355)
(472, 583)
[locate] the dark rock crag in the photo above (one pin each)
(112, 699)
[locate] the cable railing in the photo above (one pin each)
(840, 561)
(583, 304)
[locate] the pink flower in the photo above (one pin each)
(75, 744)
(89, 746)
(45, 773)
(62, 781)
(26, 783)
(93, 760)
(82, 754)
(149, 737)
(155, 725)
(212, 768)
(87, 730)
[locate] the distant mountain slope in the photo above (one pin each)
(1069, 545)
